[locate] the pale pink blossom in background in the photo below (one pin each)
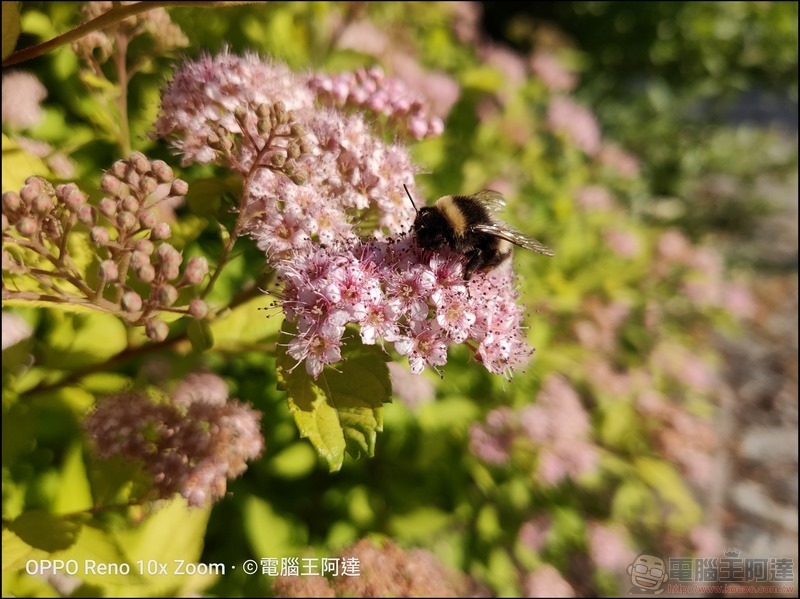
(413, 390)
(58, 162)
(707, 541)
(558, 425)
(595, 197)
(620, 160)
(534, 532)
(547, 581)
(505, 60)
(15, 329)
(439, 90)
(738, 300)
(679, 362)
(601, 331)
(22, 98)
(364, 36)
(467, 21)
(608, 548)
(576, 122)
(191, 445)
(547, 67)
(673, 246)
(492, 441)
(371, 91)
(624, 243)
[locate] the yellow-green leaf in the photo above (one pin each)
(10, 27)
(341, 410)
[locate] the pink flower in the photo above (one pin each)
(492, 442)
(551, 72)
(623, 243)
(595, 197)
(203, 96)
(617, 159)
(534, 532)
(546, 581)
(739, 301)
(190, 444)
(400, 294)
(707, 541)
(371, 90)
(22, 98)
(15, 329)
(575, 122)
(559, 426)
(505, 60)
(608, 548)
(412, 390)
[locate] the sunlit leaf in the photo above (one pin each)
(341, 410)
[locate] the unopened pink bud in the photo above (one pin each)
(145, 246)
(198, 308)
(161, 231)
(99, 236)
(108, 207)
(109, 270)
(156, 330)
(131, 301)
(196, 270)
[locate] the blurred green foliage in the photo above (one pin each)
(423, 486)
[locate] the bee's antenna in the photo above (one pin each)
(410, 198)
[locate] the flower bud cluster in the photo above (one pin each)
(313, 174)
(370, 90)
(384, 570)
(232, 110)
(98, 46)
(190, 443)
(397, 293)
(138, 272)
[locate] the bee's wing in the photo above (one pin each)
(503, 231)
(493, 201)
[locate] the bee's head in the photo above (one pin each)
(430, 228)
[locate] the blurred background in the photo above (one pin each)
(654, 146)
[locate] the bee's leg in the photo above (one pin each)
(474, 262)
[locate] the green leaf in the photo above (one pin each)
(46, 531)
(16, 552)
(18, 164)
(74, 493)
(342, 409)
(270, 533)
(669, 484)
(245, 325)
(205, 196)
(200, 335)
(79, 340)
(174, 532)
(10, 27)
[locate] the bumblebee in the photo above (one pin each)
(468, 225)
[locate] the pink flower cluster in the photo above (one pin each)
(397, 293)
(370, 89)
(204, 96)
(191, 443)
(311, 173)
(575, 122)
(353, 177)
(557, 425)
